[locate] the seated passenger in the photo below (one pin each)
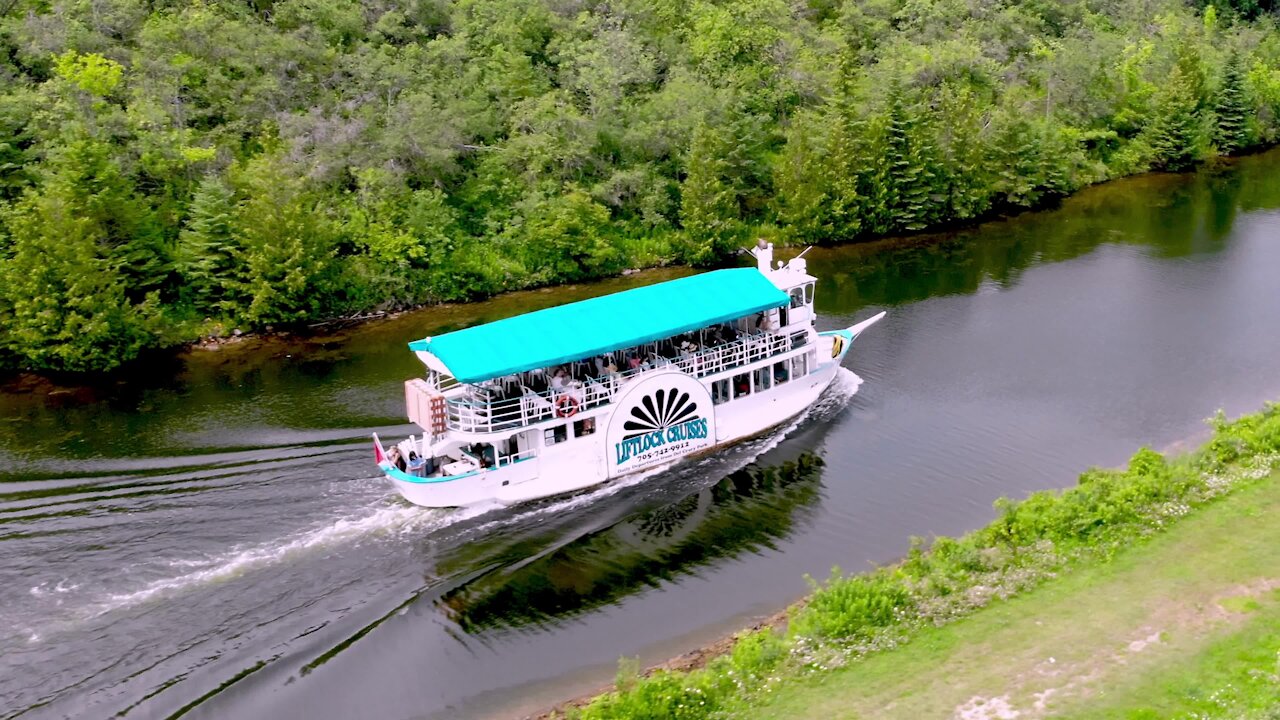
(396, 459)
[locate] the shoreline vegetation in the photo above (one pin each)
(175, 171)
(906, 637)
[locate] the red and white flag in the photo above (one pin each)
(379, 456)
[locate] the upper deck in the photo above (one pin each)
(497, 377)
(503, 406)
(590, 328)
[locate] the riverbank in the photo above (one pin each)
(1163, 560)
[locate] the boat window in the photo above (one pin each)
(554, 435)
(720, 391)
(763, 378)
(741, 385)
(798, 368)
(808, 294)
(583, 427)
(797, 297)
(799, 339)
(781, 373)
(783, 318)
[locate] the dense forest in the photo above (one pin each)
(173, 169)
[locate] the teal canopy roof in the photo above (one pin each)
(592, 327)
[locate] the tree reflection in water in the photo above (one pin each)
(744, 512)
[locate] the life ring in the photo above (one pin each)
(566, 406)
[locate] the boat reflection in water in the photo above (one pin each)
(746, 511)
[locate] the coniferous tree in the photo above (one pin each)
(800, 184)
(708, 204)
(284, 248)
(205, 253)
(1234, 107)
(840, 174)
(65, 301)
(1177, 133)
(963, 153)
(910, 158)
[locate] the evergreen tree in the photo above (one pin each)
(1234, 107)
(840, 174)
(911, 160)
(799, 184)
(64, 296)
(709, 209)
(963, 153)
(284, 245)
(1177, 134)
(205, 253)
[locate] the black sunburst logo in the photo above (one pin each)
(660, 411)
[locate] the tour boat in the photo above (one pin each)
(558, 400)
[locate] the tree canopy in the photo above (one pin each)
(173, 169)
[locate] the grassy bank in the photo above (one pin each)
(1142, 592)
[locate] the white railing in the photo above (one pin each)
(477, 415)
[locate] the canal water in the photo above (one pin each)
(207, 537)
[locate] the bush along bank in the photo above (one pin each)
(849, 617)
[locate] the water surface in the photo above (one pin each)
(208, 537)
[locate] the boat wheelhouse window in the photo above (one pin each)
(797, 297)
(781, 372)
(799, 366)
(808, 294)
(799, 339)
(763, 378)
(555, 435)
(741, 385)
(584, 427)
(720, 392)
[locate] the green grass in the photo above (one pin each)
(1070, 602)
(1154, 632)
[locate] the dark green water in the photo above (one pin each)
(209, 538)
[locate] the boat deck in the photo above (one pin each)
(496, 406)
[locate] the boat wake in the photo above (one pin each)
(391, 518)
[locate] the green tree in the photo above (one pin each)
(963, 151)
(914, 181)
(1234, 108)
(206, 254)
(801, 195)
(285, 245)
(709, 211)
(65, 301)
(1177, 134)
(567, 238)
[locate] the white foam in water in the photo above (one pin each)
(62, 586)
(398, 518)
(388, 519)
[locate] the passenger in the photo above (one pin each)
(559, 379)
(633, 362)
(397, 459)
